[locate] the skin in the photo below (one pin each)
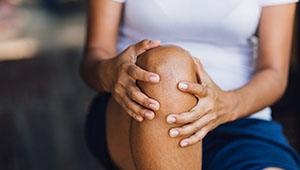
(269, 80)
(167, 61)
(172, 64)
(106, 71)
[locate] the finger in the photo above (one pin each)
(144, 45)
(185, 117)
(203, 107)
(137, 109)
(201, 73)
(199, 135)
(192, 88)
(192, 128)
(138, 73)
(139, 97)
(119, 94)
(127, 110)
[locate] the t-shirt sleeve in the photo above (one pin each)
(120, 1)
(276, 2)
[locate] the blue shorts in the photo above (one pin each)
(245, 144)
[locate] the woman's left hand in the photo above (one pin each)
(214, 108)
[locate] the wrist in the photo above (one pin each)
(105, 74)
(236, 103)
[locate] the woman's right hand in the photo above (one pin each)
(123, 81)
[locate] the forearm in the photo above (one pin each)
(266, 86)
(95, 69)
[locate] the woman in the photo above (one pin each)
(226, 109)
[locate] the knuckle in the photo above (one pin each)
(134, 94)
(118, 81)
(132, 106)
(124, 66)
(145, 76)
(117, 90)
(189, 129)
(195, 115)
(197, 137)
(181, 119)
(190, 86)
(195, 128)
(129, 112)
(191, 116)
(130, 91)
(134, 116)
(122, 69)
(201, 89)
(185, 128)
(145, 102)
(210, 91)
(135, 74)
(121, 82)
(133, 71)
(209, 105)
(131, 47)
(127, 103)
(142, 111)
(194, 139)
(204, 131)
(214, 116)
(130, 69)
(145, 42)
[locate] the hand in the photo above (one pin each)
(124, 88)
(214, 108)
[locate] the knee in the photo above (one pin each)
(173, 64)
(167, 60)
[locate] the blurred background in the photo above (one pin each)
(43, 101)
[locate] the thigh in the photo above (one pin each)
(117, 133)
(249, 144)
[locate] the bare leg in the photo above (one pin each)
(117, 133)
(151, 146)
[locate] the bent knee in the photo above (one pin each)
(173, 64)
(167, 59)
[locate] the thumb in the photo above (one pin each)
(201, 73)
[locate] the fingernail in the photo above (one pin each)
(174, 133)
(149, 115)
(154, 78)
(153, 106)
(139, 118)
(183, 85)
(183, 143)
(171, 119)
(155, 42)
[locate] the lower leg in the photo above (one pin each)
(117, 134)
(151, 146)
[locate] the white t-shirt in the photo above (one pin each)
(219, 33)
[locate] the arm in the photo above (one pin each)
(269, 82)
(106, 71)
(267, 85)
(103, 24)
